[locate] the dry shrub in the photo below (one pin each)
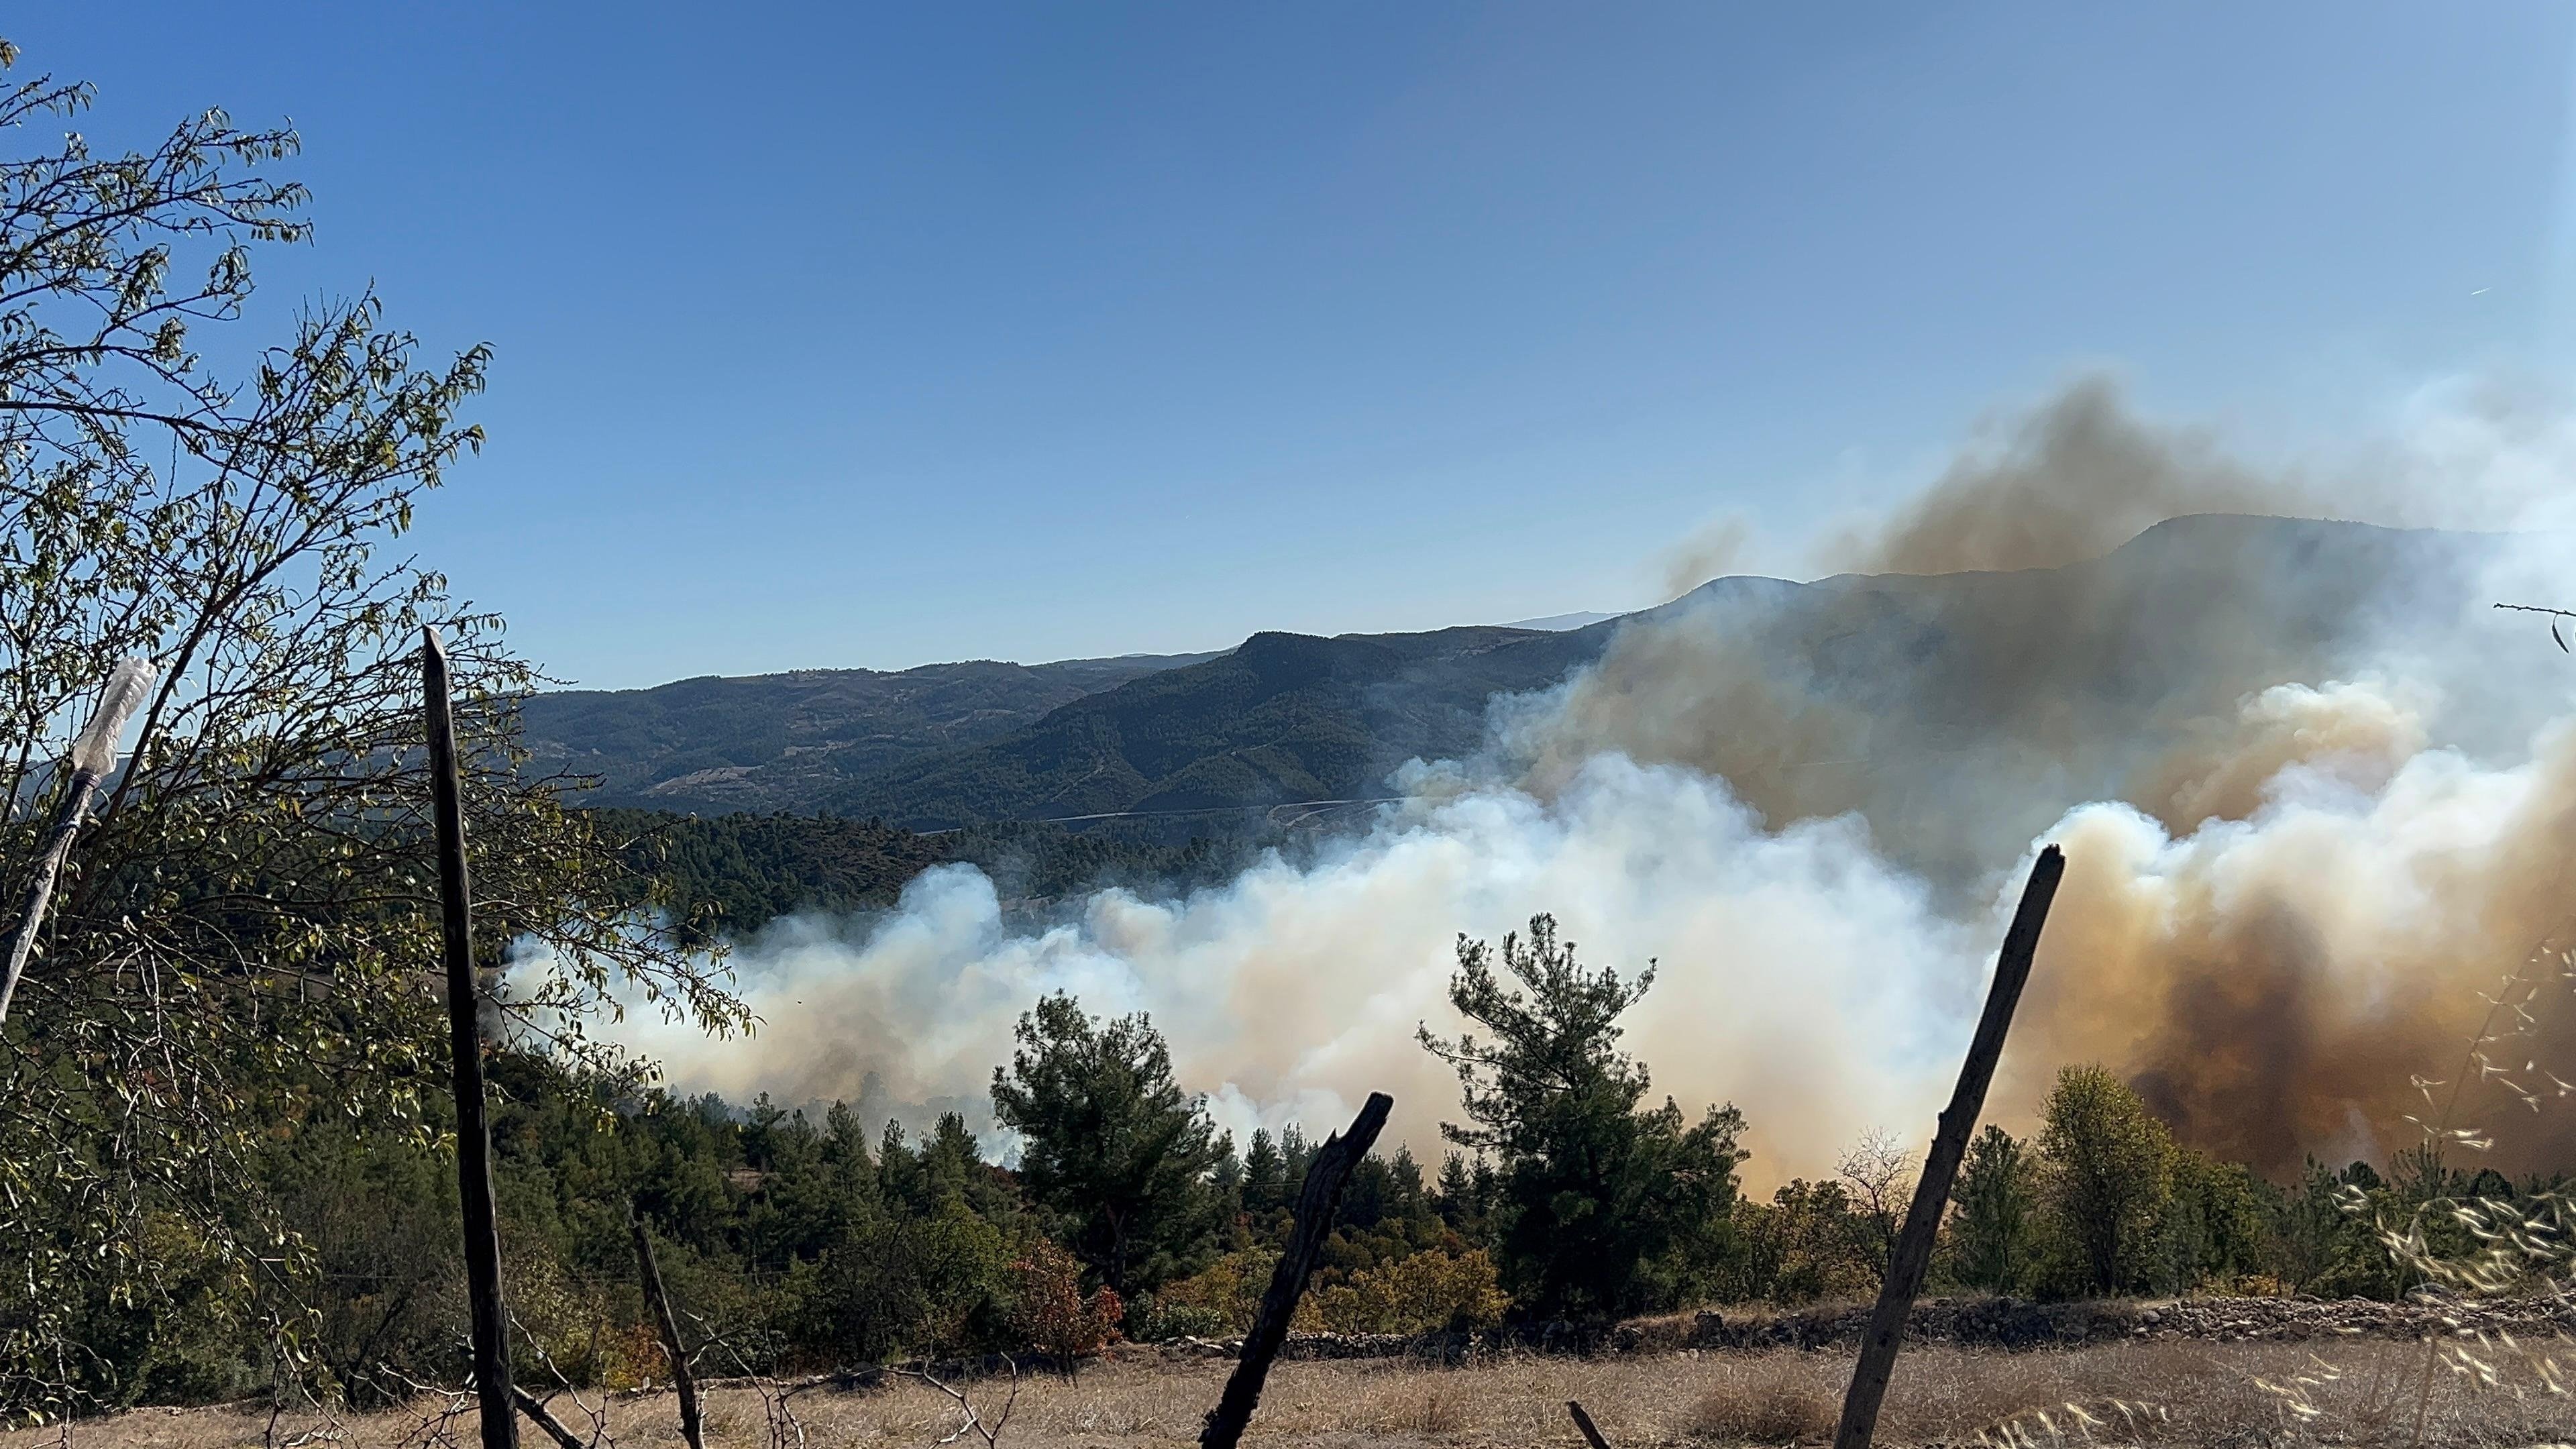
(1434, 1409)
(1765, 1410)
(733, 1419)
(1049, 1311)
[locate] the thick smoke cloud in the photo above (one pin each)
(2311, 810)
(2070, 480)
(1790, 960)
(2271, 979)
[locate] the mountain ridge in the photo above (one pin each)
(2160, 633)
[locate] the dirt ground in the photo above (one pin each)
(2152, 1393)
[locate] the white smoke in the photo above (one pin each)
(1801, 977)
(2301, 895)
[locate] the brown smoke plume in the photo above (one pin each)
(2070, 480)
(2213, 716)
(2271, 982)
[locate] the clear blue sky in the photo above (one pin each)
(877, 334)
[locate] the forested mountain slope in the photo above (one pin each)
(1286, 717)
(789, 741)
(1905, 697)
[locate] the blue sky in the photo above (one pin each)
(872, 334)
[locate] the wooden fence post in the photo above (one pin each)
(1316, 1203)
(692, 1428)
(500, 1413)
(1941, 1165)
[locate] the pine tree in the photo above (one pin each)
(1605, 1207)
(1265, 1175)
(1994, 1228)
(1110, 1145)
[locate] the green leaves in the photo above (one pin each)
(1605, 1207)
(1110, 1145)
(242, 946)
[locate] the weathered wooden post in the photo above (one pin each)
(465, 1044)
(1316, 1203)
(649, 1274)
(93, 758)
(1941, 1165)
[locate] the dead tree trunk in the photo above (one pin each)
(1583, 1421)
(1941, 1164)
(500, 1416)
(1316, 1203)
(682, 1380)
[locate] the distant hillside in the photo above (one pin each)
(771, 742)
(1936, 692)
(1286, 717)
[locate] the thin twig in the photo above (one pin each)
(974, 1424)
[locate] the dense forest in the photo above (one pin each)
(729, 875)
(804, 1242)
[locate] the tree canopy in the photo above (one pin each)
(244, 935)
(1606, 1206)
(1110, 1145)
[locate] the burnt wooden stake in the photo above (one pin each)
(650, 1274)
(535, 1408)
(1583, 1421)
(500, 1416)
(1316, 1203)
(1941, 1165)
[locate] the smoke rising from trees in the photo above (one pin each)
(2308, 813)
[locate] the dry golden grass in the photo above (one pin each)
(2206, 1394)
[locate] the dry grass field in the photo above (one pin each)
(2200, 1394)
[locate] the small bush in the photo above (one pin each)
(1159, 1319)
(1229, 1289)
(1419, 1293)
(1049, 1311)
(1765, 1413)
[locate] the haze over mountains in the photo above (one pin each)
(1889, 694)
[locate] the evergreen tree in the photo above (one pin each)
(1456, 1193)
(1606, 1207)
(1265, 1175)
(1110, 1145)
(950, 1160)
(1296, 1154)
(898, 1168)
(1994, 1228)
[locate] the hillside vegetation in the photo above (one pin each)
(729, 875)
(789, 741)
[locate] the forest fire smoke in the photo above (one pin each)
(2308, 818)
